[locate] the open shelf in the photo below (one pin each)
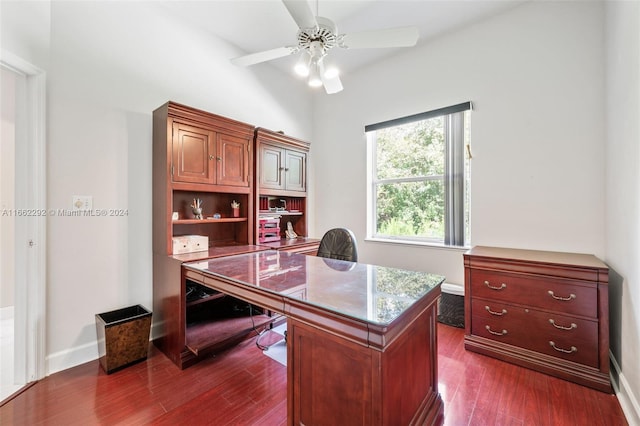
(196, 294)
(207, 220)
(208, 336)
(280, 213)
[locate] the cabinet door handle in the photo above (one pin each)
(286, 169)
(502, 286)
(281, 168)
(219, 158)
(566, 351)
(504, 311)
(495, 333)
(562, 327)
(564, 299)
(210, 157)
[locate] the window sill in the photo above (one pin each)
(415, 243)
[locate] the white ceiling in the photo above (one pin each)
(258, 25)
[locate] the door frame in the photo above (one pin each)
(30, 232)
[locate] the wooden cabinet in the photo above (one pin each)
(201, 155)
(233, 153)
(193, 149)
(547, 311)
(282, 163)
(281, 188)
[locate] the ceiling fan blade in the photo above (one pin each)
(267, 55)
(391, 37)
(301, 12)
(332, 85)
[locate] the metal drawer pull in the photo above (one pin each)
(571, 296)
(572, 350)
(504, 311)
(562, 327)
(496, 333)
(503, 285)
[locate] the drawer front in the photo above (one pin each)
(551, 325)
(539, 292)
(573, 339)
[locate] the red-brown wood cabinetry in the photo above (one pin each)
(281, 188)
(200, 155)
(282, 167)
(547, 311)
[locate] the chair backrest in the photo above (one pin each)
(339, 243)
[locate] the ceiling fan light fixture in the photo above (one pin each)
(317, 36)
(329, 70)
(314, 75)
(302, 66)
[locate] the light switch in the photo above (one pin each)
(82, 202)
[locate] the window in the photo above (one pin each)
(419, 177)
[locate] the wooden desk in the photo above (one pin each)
(362, 346)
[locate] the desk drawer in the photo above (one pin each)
(569, 297)
(574, 339)
(550, 325)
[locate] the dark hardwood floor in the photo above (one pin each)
(243, 387)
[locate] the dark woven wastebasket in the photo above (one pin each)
(451, 310)
(123, 337)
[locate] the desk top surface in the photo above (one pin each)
(372, 293)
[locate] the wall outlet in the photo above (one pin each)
(82, 202)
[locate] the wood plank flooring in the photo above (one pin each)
(243, 387)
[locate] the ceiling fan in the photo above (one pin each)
(317, 36)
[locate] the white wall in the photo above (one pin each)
(25, 30)
(546, 172)
(535, 77)
(110, 64)
(623, 196)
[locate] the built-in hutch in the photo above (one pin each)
(202, 156)
(281, 192)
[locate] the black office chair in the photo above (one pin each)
(339, 243)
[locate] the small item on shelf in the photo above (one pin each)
(289, 232)
(235, 208)
(269, 229)
(190, 244)
(196, 208)
(175, 216)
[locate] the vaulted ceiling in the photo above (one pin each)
(255, 26)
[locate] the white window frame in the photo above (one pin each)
(455, 178)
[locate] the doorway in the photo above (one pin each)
(11, 83)
(22, 233)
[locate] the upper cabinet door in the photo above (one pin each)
(271, 167)
(232, 160)
(296, 171)
(193, 154)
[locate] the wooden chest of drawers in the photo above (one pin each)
(546, 311)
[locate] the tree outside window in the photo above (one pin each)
(419, 177)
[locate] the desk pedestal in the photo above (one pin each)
(338, 380)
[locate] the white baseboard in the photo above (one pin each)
(628, 401)
(72, 357)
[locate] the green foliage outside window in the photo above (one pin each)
(410, 158)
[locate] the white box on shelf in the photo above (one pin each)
(190, 244)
